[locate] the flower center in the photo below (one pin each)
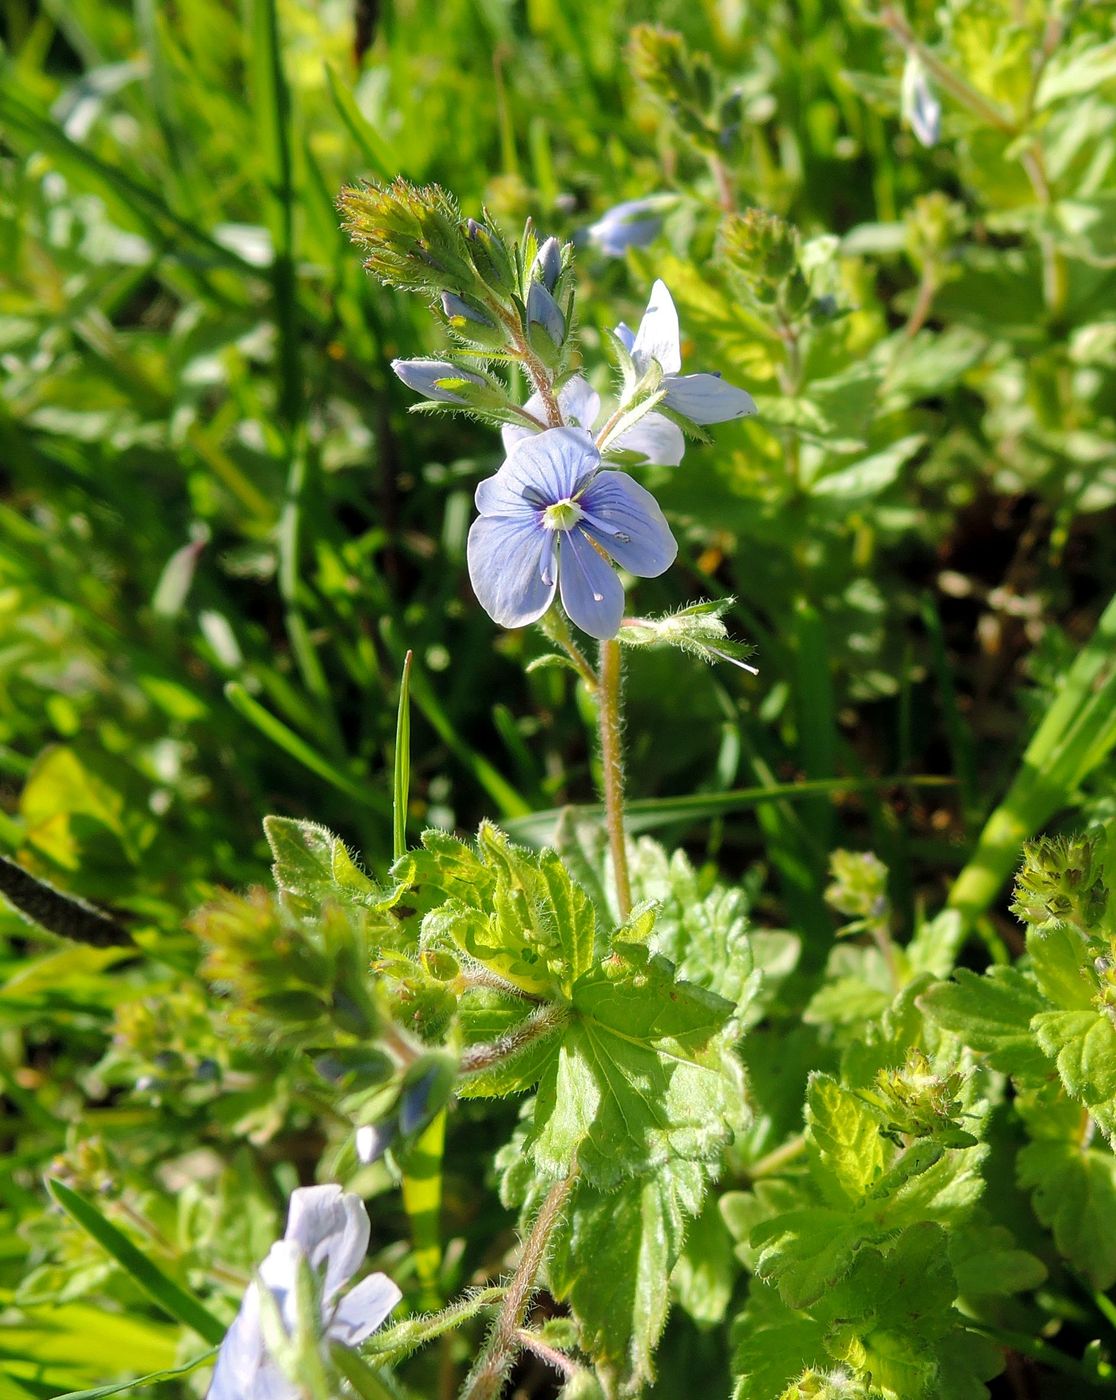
(562, 515)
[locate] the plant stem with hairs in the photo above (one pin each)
(485, 1381)
(612, 764)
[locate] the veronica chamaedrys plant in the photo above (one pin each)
(552, 519)
(703, 398)
(327, 1235)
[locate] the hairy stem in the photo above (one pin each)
(560, 1362)
(543, 1021)
(612, 764)
(555, 626)
(486, 1379)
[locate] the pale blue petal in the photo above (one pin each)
(363, 1309)
(580, 404)
(512, 568)
(242, 1353)
(626, 521)
(632, 224)
(625, 335)
(331, 1228)
(592, 595)
(706, 398)
(541, 468)
(543, 310)
(426, 376)
(658, 336)
(656, 437)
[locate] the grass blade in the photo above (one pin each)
(647, 814)
(1076, 734)
(291, 743)
(401, 786)
(169, 1296)
(120, 1387)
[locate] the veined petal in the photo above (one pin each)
(706, 398)
(512, 567)
(658, 335)
(331, 1227)
(660, 440)
(592, 595)
(363, 1308)
(626, 521)
(541, 469)
(580, 404)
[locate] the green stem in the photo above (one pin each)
(1041, 1351)
(612, 765)
(555, 626)
(486, 1380)
(894, 19)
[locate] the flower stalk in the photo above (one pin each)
(612, 764)
(485, 1381)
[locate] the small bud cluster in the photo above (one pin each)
(1060, 884)
(837, 1384)
(858, 888)
(510, 300)
(920, 1103)
(683, 84)
(697, 630)
(765, 254)
(934, 226)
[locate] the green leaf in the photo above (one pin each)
(991, 1014)
(1083, 1045)
(170, 1296)
(987, 1261)
(1076, 68)
(612, 1259)
(1059, 960)
(706, 1270)
(846, 1150)
(851, 486)
(634, 1079)
(1074, 1194)
(312, 865)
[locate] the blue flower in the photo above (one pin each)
(654, 437)
(705, 398)
(327, 1229)
(632, 224)
(550, 519)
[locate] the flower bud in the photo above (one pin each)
(491, 258)
(547, 267)
(437, 379)
(544, 311)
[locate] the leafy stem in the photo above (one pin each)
(612, 764)
(486, 1379)
(477, 1058)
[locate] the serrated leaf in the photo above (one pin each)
(1058, 960)
(620, 1105)
(312, 865)
(1083, 1046)
(991, 1014)
(987, 1262)
(612, 1259)
(845, 1145)
(1074, 1194)
(806, 1251)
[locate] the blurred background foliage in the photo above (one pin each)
(220, 530)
